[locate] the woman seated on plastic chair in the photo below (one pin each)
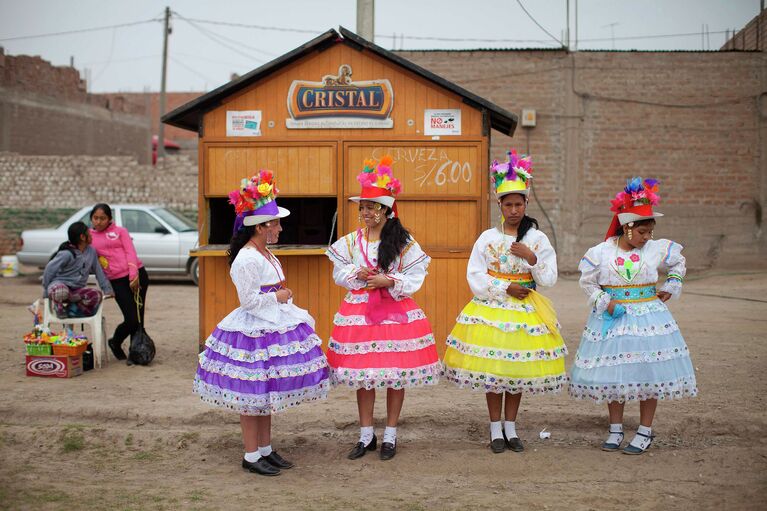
(66, 276)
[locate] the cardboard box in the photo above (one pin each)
(54, 366)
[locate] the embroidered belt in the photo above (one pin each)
(637, 293)
(271, 288)
(523, 279)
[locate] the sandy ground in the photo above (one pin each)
(137, 438)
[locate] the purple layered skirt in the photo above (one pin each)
(262, 375)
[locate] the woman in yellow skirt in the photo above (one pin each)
(506, 340)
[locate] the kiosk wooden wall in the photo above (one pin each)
(443, 203)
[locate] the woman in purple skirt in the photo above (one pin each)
(264, 356)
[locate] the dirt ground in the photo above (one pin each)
(137, 438)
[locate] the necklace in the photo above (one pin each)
(271, 259)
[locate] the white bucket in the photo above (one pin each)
(10, 266)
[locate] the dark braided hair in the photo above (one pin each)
(394, 237)
(74, 232)
(239, 240)
(524, 225)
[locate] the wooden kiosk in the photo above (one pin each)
(313, 116)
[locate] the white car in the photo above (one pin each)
(162, 238)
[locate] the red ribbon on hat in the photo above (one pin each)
(641, 210)
(372, 192)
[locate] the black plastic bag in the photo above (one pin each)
(142, 349)
(88, 358)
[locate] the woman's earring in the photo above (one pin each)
(629, 234)
(378, 218)
(359, 218)
(652, 235)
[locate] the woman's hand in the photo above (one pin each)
(379, 281)
(664, 295)
(363, 273)
(521, 250)
(283, 295)
(134, 285)
(611, 306)
(517, 291)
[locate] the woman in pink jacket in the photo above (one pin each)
(125, 272)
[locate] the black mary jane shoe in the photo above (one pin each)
(360, 449)
(261, 466)
(278, 461)
(388, 450)
(117, 349)
(513, 443)
(498, 445)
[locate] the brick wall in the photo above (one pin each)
(694, 120)
(752, 37)
(54, 186)
(45, 109)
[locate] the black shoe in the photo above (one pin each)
(388, 450)
(278, 461)
(117, 349)
(498, 445)
(514, 443)
(261, 466)
(359, 450)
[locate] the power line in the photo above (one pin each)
(206, 78)
(217, 38)
(536, 22)
(230, 40)
(81, 31)
(258, 27)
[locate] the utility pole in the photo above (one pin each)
(366, 20)
(161, 130)
(567, 29)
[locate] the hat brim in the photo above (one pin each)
(520, 192)
(625, 218)
(386, 201)
(260, 219)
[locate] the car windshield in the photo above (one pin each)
(176, 220)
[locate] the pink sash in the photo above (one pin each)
(381, 304)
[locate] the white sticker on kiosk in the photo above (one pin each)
(245, 123)
(442, 122)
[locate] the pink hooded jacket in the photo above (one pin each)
(116, 252)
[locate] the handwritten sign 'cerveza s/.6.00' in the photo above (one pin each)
(339, 102)
(431, 166)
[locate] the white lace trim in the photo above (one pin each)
(504, 326)
(508, 355)
(359, 320)
(359, 348)
(259, 404)
(631, 357)
(487, 382)
(504, 304)
(630, 330)
(681, 388)
(275, 350)
(269, 373)
(642, 308)
(356, 298)
(393, 378)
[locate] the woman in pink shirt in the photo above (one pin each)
(125, 272)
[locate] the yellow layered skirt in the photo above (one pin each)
(507, 346)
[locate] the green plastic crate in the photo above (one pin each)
(39, 349)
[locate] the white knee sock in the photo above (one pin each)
(366, 434)
(252, 457)
(616, 434)
(641, 441)
(495, 430)
(265, 451)
(510, 428)
(390, 435)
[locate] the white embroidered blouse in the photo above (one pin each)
(608, 265)
(492, 252)
(260, 310)
(353, 252)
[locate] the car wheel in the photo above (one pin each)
(194, 271)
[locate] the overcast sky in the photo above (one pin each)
(204, 54)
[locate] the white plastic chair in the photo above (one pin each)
(97, 323)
